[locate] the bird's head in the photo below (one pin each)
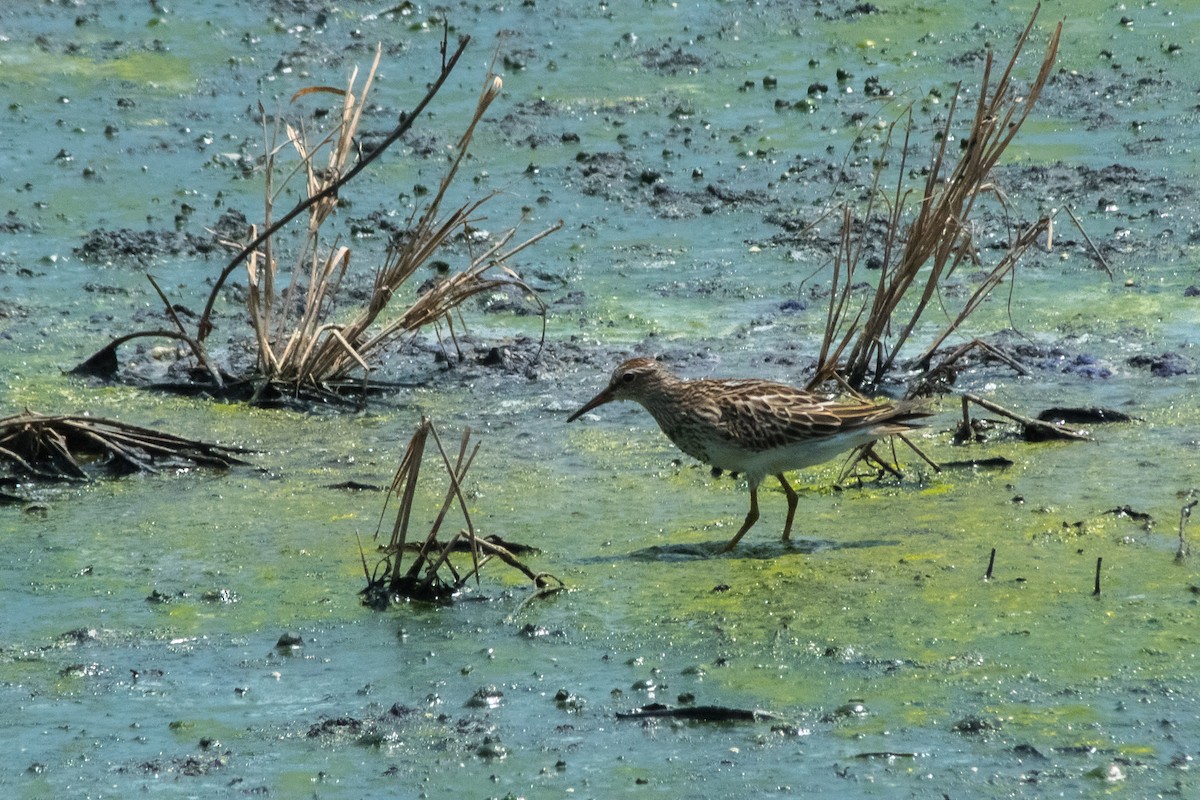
(636, 379)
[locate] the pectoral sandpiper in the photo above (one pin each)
(754, 427)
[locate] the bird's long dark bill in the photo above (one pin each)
(598, 400)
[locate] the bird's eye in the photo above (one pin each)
(628, 377)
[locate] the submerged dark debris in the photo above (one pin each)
(699, 713)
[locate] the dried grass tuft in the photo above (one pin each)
(309, 350)
(432, 575)
(928, 231)
(303, 345)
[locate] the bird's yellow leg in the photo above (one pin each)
(751, 518)
(791, 498)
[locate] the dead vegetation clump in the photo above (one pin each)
(927, 237)
(312, 340)
(74, 448)
(432, 575)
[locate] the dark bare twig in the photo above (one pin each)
(196, 347)
(1036, 427)
(103, 363)
(699, 713)
(1095, 250)
(886, 755)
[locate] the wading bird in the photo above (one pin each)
(755, 427)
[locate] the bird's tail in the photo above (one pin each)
(903, 417)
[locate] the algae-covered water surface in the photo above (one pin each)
(200, 633)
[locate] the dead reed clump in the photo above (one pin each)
(312, 337)
(432, 575)
(72, 448)
(928, 233)
(299, 345)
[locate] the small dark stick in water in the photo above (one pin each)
(1096, 592)
(1185, 514)
(991, 563)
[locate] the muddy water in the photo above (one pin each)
(138, 647)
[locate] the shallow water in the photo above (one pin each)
(893, 667)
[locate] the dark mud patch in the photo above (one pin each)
(106, 246)
(624, 177)
(1056, 358)
(1099, 99)
(126, 245)
(1164, 365)
(1120, 190)
(12, 223)
(10, 310)
(188, 766)
(537, 123)
(403, 725)
(668, 58)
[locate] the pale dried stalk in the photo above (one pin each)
(259, 286)
(404, 487)
(341, 140)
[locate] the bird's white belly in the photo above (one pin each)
(757, 464)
